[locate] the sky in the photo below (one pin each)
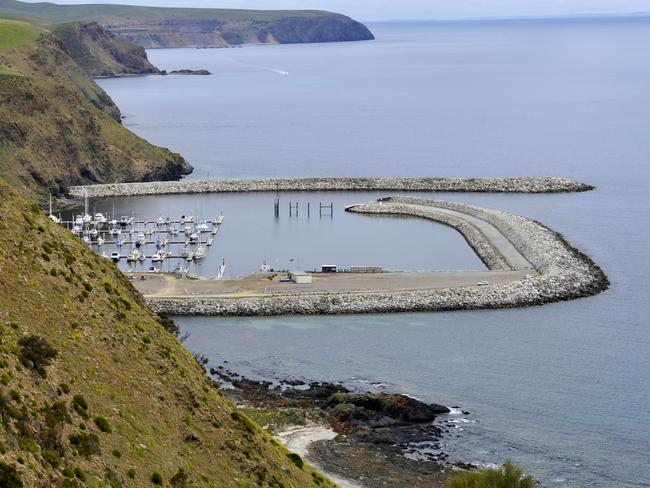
(378, 10)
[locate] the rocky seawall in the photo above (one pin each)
(564, 274)
(541, 184)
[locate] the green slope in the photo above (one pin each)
(58, 128)
(94, 391)
(14, 34)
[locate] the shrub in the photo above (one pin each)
(64, 388)
(509, 476)
(169, 325)
(156, 478)
(117, 453)
(180, 479)
(79, 474)
(131, 473)
(296, 459)
(245, 421)
(52, 457)
(87, 444)
(113, 480)
(36, 353)
(103, 425)
(80, 406)
(9, 476)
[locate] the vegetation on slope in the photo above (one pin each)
(14, 34)
(508, 476)
(58, 128)
(180, 27)
(94, 391)
(100, 53)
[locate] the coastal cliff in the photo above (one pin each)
(58, 128)
(100, 53)
(157, 27)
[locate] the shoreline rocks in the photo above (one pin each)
(540, 184)
(564, 274)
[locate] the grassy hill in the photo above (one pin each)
(94, 390)
(58, 128)
(181, 27)
(14, 34)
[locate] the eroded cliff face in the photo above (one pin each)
(58, 128)
(100, 53)
(221, 33)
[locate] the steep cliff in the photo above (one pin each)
(100, 53)
(153, 27)
(58, 128)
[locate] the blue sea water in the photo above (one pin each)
(563, 389)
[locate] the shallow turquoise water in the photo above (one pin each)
(564, 389)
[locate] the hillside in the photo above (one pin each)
(58, 128)
(153, 27)
(100, 53)
(96, 392)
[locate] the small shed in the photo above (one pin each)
(300, 277)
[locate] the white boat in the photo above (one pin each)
(173, 230)
(180, 270)
(115, 256)
(100, 241)
(187, 219)
(202, 227)
(105, 255)
(116, 231)
(113, 223)
(209, 241)
(79, 220)
(160, 221)
(77, 229)
(125, 220)
(200, 253)
(222, 269)
(194, 236)
(87, 239)
(94, 233)
(159, 257)
(187, 230)
(100, 218)
(218, 220)
(141, 239)
(134, 255)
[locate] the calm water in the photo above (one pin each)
(563, 389)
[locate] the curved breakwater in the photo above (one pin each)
(539, 184)
(563, 273)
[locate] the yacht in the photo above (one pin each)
(200, 253)
(141, 240)
(115, 256)
(134, 255)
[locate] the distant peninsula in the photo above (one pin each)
(158, 27)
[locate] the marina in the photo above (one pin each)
(143, 241)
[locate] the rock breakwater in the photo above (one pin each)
(564, 273)
(541, 184)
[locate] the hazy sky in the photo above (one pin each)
(415, 9)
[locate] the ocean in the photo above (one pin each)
(562, 389)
